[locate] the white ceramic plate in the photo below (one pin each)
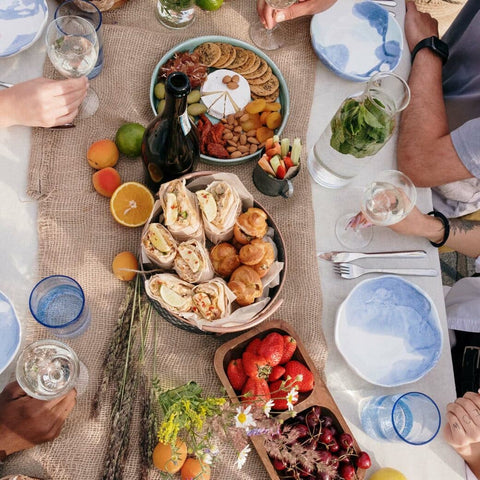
(356, 39)
(10, 332)
(21, 23)
(388, 331)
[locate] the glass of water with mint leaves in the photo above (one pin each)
(362, 125)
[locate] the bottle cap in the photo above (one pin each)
(178, 84)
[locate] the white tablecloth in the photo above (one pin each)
(435, 461)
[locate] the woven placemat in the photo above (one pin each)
(78, 236)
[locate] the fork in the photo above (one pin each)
(350, 270)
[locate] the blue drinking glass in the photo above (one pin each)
(58, 303)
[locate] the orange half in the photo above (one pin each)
(131, 204)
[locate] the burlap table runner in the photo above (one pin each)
(78, 236)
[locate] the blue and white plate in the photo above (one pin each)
(388, 331)
(356, 39)
(10, 332)
(21, 23)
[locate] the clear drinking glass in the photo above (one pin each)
(89, 11)
(412, 417)
(72, 46)
(175, 13)
(58, 303)
(385, 201)
(362, 125)
(48, 369)
(270, 38)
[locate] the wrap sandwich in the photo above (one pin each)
(192, 262)
(159, 245)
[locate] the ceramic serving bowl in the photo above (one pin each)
(356, 39)
(10, 332)
(318, 397)
(388, 331)
(189, 46)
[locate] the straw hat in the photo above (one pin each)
(444, 11)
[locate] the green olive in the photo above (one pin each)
(193, 97)
(196, 109)
(161, 106)
(159, 91)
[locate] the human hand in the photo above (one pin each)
(462, 430)
(270, 16)
(26, 421)
(42, 102)
(418, 25)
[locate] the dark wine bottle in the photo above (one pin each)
(170, 146)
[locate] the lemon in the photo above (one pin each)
(388, 473)
(129, 139)
(210, 5)
(171, 297)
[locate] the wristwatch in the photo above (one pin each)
(437, 46)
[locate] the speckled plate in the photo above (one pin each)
(189, 46)
(388, 331)
(356, 39)
(10, 332)
(21, 23)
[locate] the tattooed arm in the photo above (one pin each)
(462, 430)
(464, 234)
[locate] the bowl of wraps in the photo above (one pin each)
(212, 259)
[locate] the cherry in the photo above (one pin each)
(323, 476)
(278, 464)
(343, 456)
(363, 461)
(347, 472)
(326, 421)
(325, 457)
(333, 446)
(345, 440)
(326, 436)
(301, 430)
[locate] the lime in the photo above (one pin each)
(387, 473)
(210, 5)
(129, 139)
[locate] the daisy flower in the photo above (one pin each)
(243, 418)
(292, 398)
(242, 457)
(267, 407)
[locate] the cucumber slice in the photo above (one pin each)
(284, 147)
(275, 163)
(296, 150)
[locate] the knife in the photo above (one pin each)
(337, 257)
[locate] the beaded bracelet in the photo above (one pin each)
(446, 227)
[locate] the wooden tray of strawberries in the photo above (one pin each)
(266, 363)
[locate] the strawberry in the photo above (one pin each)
(236, 374)
(272, 348)
(256, 390)
(276, 373)
(294, 369)
(255, 366)
(289, 347)
(253, 345)
(279, 391)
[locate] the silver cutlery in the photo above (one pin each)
(349, 270)
(338, 257)
(65, 125)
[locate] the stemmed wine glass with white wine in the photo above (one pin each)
(385, 201)
(72, 46)
(48, 369)
(270, 38)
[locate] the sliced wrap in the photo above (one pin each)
(192, 262)
(159, 245)
(220, 204)
(180, 210)
(171, 292)
(211, 300)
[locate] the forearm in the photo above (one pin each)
(7, 118)
(471, 455)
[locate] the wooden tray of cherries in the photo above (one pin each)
(313, 440)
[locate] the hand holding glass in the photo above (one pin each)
(72, 46)
(385, 201)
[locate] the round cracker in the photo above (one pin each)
(241, 57)
(258, 81)
(266, 88)
(208, 53)
(268, 98)
(259, 71)
(225, 58)
(248, 64)
(254, 67)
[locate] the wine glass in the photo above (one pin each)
(385, 201)
(48, 369)
(270, 38)
(72, 46)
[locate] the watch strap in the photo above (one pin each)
(431, 43)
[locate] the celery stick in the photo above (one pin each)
(284, 147)
(296, 150)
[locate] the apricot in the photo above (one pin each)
(274, 120)
(106, 181)
(272, 107)
(168, 459)
(102, 154)
(263, 117)
(264, 133)
(124, 266)
(256, 106)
